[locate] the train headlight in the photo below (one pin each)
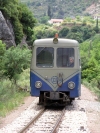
(38, 84)
(71, 85)
(55, 40)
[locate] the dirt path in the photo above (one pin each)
(93, 112)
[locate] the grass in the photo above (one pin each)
(13, 102)
(10, 96)
(24, 80)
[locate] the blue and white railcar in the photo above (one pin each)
(52, 78)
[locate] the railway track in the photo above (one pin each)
(45, 121)
(36, 119)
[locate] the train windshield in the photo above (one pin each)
(44, 57)
(65, 57)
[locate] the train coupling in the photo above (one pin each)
(66, 98)
(56, 96)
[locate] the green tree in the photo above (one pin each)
(18, 30)
(2, 49)
(21, 18)
(87, 32)
(28, 22)
(49, 33)
(76, 29)
(90, 72)
(77, 36)
(16, 59)
(2, 52)
(44, 20)
(49, 12)
(96, 28)
(90, 60)
(9, 8)
(63, 32)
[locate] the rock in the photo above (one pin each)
(23, 41)
(82, 109)
(6, 31)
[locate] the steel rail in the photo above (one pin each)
(58, 121)
(34, 119)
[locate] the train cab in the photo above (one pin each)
(55, 73)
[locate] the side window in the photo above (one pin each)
(44, 57)
(65, 57)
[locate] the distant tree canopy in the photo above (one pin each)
(79, 33)
(44, 20)
(59, 8)
(63, 32)
(20, 16)
(44, 31)
(49, 12)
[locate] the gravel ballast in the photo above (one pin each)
(82, 116)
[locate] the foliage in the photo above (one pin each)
(44, 31)
(44, 20)
(49, 12)
(9, 97)
(27, 17)
(2, 48)
(59, 8)
(24, 81)
(28, 22)
(16, 59)
(96, 28)
(21, 18)
(78, 32)
(7, 7)
(90, 59)
(2, 52)
(77, 36)
(18, 30)
(49, 33)
(63, 32)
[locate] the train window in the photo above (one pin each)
(65, 57)
(44, 57)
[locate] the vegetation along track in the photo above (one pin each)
(47, 120)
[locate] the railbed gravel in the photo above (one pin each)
(74, 120)
(24, 118)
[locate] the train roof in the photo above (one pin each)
(61, 42)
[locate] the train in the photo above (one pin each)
(55, 72)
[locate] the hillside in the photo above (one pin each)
(62, 8)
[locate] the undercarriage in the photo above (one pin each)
(54, 98)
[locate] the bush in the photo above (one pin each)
(16, 59)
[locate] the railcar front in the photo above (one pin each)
(53, 77)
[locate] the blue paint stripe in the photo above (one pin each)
(46, 87)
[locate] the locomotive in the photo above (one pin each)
(52, 77)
